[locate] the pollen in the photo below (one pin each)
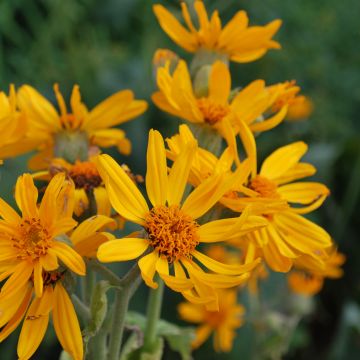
(212, 111)
(265, 187)
(32, 240)
(171, 232)
(70, 122)
(85, 175)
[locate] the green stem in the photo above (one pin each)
(105, 272)
(81, 308)
(130, 281)
(98, 346)
(153, 315)
(89, 283)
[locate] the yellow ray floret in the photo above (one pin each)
(237, 40)
(171, 224)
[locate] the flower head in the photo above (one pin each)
(223, 323)
(289, 235)
(35, 313)
(237, 40)
(172, 226)
(13, 127)
(72, 133)
(250, 110)
(29, 242)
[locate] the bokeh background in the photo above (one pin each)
(105, 46)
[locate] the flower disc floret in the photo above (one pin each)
(212, 111)
(33, 239)
(264, 186)
(171, 232)
(85, 175)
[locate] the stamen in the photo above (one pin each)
(264, 186)
(212, 111)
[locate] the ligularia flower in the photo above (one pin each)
(173, 232)
(73, 132)
(236, 41)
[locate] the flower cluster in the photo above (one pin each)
(212, 222)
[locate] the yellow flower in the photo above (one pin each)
(222, 323)
(237, 41)
(79, 128)
(29, 243)
(206, 164)
(241, 115)
(13, 127)
(309, 282)
(288, 234)
(300, 109)
(173, 232)
(36, 312)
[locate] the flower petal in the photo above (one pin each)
(147, 266)
(156, 175)
(66, 324)
(26, 195)
(122, 249)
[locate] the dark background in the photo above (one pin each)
(105, 46)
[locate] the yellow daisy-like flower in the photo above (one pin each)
(13, 127)
(75, 131)
(309, 282)
(28, 243)
(222, 323)
(288, 235)
(240, 115)
(173, 233)
(36, 313)
(237, 40)
(206, 164)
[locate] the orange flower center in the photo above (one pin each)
(264, 186)
(33, 240)
(50, 278)
(171, 232)
(212, 111)
(85, 175)
(216, 318)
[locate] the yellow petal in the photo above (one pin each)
(18, 316)
(122, 249)
(8, 213)
(26, 196)
(219, 83)
(302, 192)
(49, 262)
(103, 205)
(69, 257)
(174, 29)
(124, 196)
(66, 324)
(221, 268)
(38, 279)
(179, 174)
(147, 265)
(89, 226)
(191, 313)
(202, 333)
(19, 278)
(282, 160)
(35, 325)
(156, 175)
(271, 122)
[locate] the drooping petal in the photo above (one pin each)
(8, 213)
(122, 249)
(66, 324)
(38, 279)
(35, 325)
(147, 265)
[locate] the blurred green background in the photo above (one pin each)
(107, 46)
